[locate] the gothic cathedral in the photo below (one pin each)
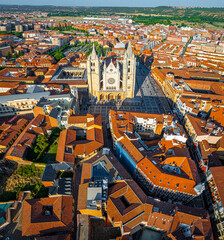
(111, 77)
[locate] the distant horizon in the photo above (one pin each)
(119, 3)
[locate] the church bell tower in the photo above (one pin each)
(93, 73)
(129, 72)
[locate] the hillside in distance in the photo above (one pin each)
(146, 15)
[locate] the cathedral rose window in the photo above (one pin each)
(111, 80)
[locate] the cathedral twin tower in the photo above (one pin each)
(112, 77)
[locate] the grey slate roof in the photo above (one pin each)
(61, 186)
(34, 89)
(13, 97)
(51, 170)
(55, 112)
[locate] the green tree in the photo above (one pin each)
(9, 55)
(58, 55)
(105, 51)
(21, 53)
(42, 142)
(100, 51)
(15, 55)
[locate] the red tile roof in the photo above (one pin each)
(129, 206)
(152, 163)
(69, 147)
(35, 221)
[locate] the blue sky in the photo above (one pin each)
(129, 3)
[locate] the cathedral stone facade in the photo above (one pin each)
(112, 77)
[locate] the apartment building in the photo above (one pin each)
(161, 164)
(193, 105)
(40, 124)
(58, 107)
(9, 133)
(54, 212)
(118, 206)
(82, 139)
(18, 103)
(215, 194)
(200, 129)
(206, 140)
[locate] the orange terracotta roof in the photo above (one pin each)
(70, 147)
(58, 218)
(128, 206)
(10, 134)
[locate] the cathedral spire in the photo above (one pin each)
(94, 54)
(129, 49)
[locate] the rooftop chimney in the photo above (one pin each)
(106, 151)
